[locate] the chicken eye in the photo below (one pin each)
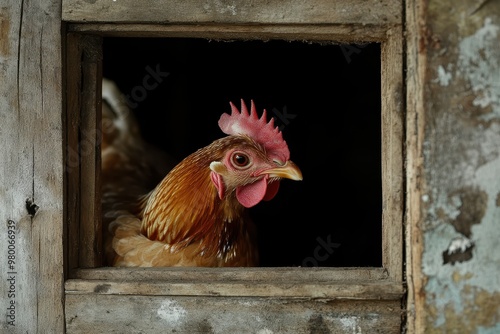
(240, 159)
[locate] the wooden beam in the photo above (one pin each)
(99, 313)
(346, 33)
(254, 274)
(416, 74)
(355, 290)
(31, 172)
(91, 245)
(337, 283)
(392, 152)
(367, 12)
(83, 137)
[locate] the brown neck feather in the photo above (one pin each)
(185, 208)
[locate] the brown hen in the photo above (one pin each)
(197, 215)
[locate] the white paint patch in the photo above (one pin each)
(455, 207)
(478, 63)
(350, 324)
(171, 311)
(459, 244)
(444, 77)
(265, 331)
(249, 303)
(221, 7)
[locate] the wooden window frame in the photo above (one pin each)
(350, 22)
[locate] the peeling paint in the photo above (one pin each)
(487, 234)
(487, 315)
(444, 77)
(459, 250)
(459, 244)
(472, 204)
(478, 63)
(444, 289)
(446, 286)
(460, 260)
(457, 277)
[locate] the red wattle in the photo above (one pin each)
(251, 194)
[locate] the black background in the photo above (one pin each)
(333, 92)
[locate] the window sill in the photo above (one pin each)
(312, 283)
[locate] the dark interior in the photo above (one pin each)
(324, 96)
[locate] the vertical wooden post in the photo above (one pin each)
(392, 155)
(83, 137)
(72, 165)
(31, 170)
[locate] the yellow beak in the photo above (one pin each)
(289, 171)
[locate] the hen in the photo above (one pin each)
(197, 215)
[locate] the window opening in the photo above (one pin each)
(326, 99)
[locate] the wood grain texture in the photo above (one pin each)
(416, 68)
(233, 300)
(349, 290)
(159, 314)
(91, 254)
(31, 168)
(338, 33)
(137, 291)
(371, 12)
(83, 138)
(453, 194)
(72, 157)
(352, 300)
(237, 274)
(392, 153)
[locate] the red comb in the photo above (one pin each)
(262, 131)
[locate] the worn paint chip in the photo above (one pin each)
(478, 63)
(444, 77)
(471, 203)
(459, 250)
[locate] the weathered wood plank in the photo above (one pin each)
(392, 153)
(349, 283)
(140, 294)
(365, 12)
(73, 81)
(416, 69)
(353, 290)
(281, 274)
(147, 314)
(91, 254)
(327, 33)
(83, 137)
(31, 254)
